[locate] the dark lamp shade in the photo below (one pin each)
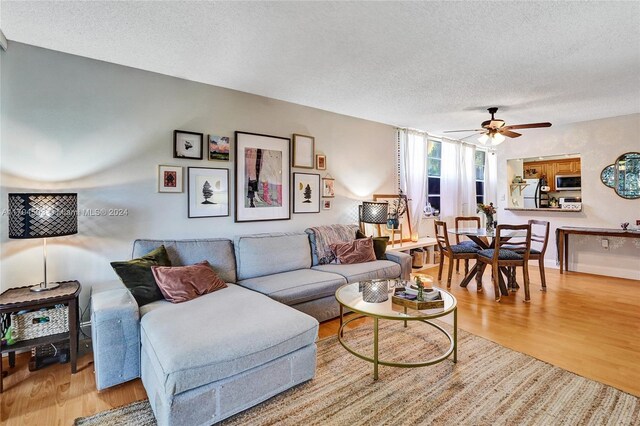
(374, 212)
(43, 215)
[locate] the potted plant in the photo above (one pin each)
(397, 208)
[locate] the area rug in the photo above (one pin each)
(490, 385)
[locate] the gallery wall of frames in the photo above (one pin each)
(266, 188)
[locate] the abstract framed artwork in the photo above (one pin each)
(169, 178)
(404, 220)
(327, 188)
(306, 193)
(262, 183)
(218, 148)
(187, 145)
(208, 192)
(321, 162)
(303, 150)
(326, 204)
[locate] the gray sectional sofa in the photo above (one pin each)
(204, 360)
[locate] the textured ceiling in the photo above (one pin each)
(428, 65)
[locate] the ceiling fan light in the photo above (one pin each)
(497, 139)
(483, 139)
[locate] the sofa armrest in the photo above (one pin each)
(404, 260)
(115, 333)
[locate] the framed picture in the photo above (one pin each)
(208, 192)
(306, 193)
(218, 148)
(326, 204)
(303, 150)
(327, 188)
(321, 162)
(187, 145)
(405, 221)
(262, 177)
(169, 178)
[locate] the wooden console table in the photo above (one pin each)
(565, 231)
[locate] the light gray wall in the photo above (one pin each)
(599, 143)
(75, 124)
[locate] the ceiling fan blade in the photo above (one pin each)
(472, 130)
(527, 126)
(470, 136)
(509, 133)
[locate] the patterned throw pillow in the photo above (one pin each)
(183, 283)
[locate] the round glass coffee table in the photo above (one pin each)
(350, 297)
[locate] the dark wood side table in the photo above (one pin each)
(21, 298)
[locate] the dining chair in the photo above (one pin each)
(453, 252)
(540, 236)
(458, 221)
(517, 254)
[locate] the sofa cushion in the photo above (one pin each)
(379, 269)
(297, 286)
(265, 254)
(219, 335)
(217, 251)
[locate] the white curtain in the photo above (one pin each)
(413, 173)
(457, 181)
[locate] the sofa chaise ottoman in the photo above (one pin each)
(203, 360)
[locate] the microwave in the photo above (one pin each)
(568, 183)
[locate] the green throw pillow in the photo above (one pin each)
(379, 245)
(137, 276)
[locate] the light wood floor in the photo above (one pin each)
(587, 324)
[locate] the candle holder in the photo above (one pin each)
(375, 291)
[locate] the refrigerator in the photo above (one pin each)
(531, 194)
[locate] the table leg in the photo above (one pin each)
(73, 334)
(479, 274)
(341, 320)
(2, 374)
(566, 251)
(455, 334)
(561, 249)
(405, 321)
(465, 282)
(375, 348)
(503, 286)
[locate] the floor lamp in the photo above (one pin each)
(372, 212)
(43, 215)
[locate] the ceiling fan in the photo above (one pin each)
(493, 131)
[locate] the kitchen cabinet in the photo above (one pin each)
(550, 168)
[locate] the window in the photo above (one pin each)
(479, 166)
(434, 163)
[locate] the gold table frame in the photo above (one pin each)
(419, 316)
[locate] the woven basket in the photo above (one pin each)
(27, 326)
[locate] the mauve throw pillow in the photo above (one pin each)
(137, 276)
(379, 245)
(182, 283)
(356, 251)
